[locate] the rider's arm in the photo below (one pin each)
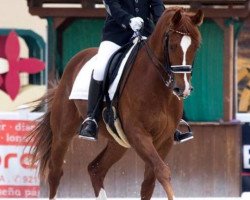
(113, 7)
(157, 8)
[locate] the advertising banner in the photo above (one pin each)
(17, 178)
(246, 158)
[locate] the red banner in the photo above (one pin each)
(19, 191)
(17, 177)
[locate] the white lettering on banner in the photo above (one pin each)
(14, 164)
(23, 160)
(31, 193)
(14, 138)
(2, 127)
(246, 156)
(19, 192)
(10, 192)
(24, 127)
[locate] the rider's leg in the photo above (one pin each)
(89, 127)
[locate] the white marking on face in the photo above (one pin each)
(187, 86)
(185, 44)
(102, 195)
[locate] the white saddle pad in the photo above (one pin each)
(80, 87)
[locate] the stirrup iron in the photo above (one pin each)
(83, 134)
(90, 119)
(180, 136)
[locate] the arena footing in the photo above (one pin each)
(191, 198)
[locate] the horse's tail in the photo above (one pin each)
(40, 137)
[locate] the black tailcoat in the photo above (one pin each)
(119, 13)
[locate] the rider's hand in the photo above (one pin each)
(136, 23)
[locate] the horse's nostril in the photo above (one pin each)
(191, 88)
(177, 90)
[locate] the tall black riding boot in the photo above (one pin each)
(89, 127)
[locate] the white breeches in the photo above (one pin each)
(106, 49)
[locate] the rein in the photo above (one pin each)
(167, 69)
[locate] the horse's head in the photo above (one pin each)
(179, 31)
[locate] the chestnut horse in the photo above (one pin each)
(150, 107)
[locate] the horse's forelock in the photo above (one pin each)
(185, 25)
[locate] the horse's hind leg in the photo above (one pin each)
(58, 152)
(148, 183)
(63, 131)
(99, 167)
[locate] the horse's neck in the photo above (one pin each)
(157, 39)
(145, 94)
(156, 46)
(145, 80)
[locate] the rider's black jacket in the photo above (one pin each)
(119, 13)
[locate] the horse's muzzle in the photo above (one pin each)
(181, 93)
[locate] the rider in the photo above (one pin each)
(124, 17)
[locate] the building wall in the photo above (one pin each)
(15, 14)
(32, 33)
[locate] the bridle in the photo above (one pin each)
(166, 70)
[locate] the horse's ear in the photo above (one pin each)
(197, 19)
(177, 17)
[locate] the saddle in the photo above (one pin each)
(113, 66)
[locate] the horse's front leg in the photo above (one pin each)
(143, 145)
(148, 183)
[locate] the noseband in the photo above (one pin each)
(166, 69)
